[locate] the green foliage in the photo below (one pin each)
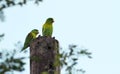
(10, 63)
(1, 37)
(70, 60)
(9, 3)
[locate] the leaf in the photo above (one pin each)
(2, 35)
(74, 59)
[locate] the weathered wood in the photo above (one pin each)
(42, 55)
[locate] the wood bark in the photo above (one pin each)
(43, 51)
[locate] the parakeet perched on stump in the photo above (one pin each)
(47, 28)
(32, 35)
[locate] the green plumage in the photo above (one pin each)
(32, 35)
(47, 28)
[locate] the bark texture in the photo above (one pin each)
(43, 51)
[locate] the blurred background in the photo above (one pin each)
(88, 24)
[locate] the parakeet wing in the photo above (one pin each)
(44, 30)
(27, 41)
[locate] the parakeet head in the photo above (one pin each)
(35, 31)
(50, 20)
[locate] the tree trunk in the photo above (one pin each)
(43, 52)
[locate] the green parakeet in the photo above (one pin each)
(47, 28)
(32, 35)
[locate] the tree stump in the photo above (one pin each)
(43, 51)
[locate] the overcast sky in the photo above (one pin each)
(92, 24)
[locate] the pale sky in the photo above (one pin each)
(92, 24)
